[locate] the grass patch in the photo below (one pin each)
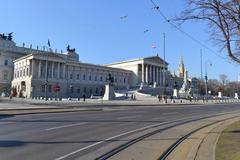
(228, 146)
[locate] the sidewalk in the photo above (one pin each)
(20, 106)
(151, 101)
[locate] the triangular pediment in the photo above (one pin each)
(155, 59)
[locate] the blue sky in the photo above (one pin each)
(100, 36)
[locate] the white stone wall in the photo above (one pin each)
(131, 66)
(74, 78)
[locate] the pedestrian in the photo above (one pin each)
(84, 97)
(134, 97)
(159, 98)
(171, 97)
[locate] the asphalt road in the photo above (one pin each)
(82, 134)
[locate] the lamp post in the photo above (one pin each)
(46, 75)
(164, 68)
(206, 78)
(46, 70)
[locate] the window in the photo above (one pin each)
(27, 71)
(24, 72)
(96, 91)
(77, 76)
(90, 91)
(84, 77)
(6, 62)
(90, 78)
(101, 78)
(43, 88)
(95, 78)
(71, 76)
(5, 75)
(50, 88)
(71, 89)
(124, 80)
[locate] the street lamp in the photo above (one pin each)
(46, 74)
(206, 78)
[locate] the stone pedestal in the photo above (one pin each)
(154, 84)
(219, 94)
(109, 92)
(236, 96)
(175, 93)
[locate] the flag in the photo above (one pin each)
(154, 46)
(49, 45)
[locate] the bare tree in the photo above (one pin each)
(213, 86)
(223, 19)
(223, 79)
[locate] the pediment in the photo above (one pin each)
(155, 59)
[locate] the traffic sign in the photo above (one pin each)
(56, 88)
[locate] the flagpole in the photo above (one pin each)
(46, 70)
(164, 67)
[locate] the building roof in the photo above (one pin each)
(70, 61)
(138, 59)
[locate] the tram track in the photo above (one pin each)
(124, 146)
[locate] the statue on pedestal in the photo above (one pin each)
(109, 88)
(175, 90)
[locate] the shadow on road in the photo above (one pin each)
(11, 143)
(2, 116)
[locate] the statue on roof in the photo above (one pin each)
(8, 37)
(69, 49)
(3, 36)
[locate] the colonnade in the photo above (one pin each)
(152, 74)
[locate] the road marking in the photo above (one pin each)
(108, 139)
(169, 113)
(127, 123)
(7, 123)
(64, 126)
(127, 117)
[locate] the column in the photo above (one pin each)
(39, 68)
(146, 74)
(32, 69)
(58, 70)
(64, 68)
(150, 73)
(154, 80)
(52, 69)
(157, 75)
(160, 72)
(143, 79)
(46, 69)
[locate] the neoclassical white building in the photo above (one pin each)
(31, 72)
(146, 71)
(8, 52)
(36, 73)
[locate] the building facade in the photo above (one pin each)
(146, 71)
(37, 75)
(8, 52)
